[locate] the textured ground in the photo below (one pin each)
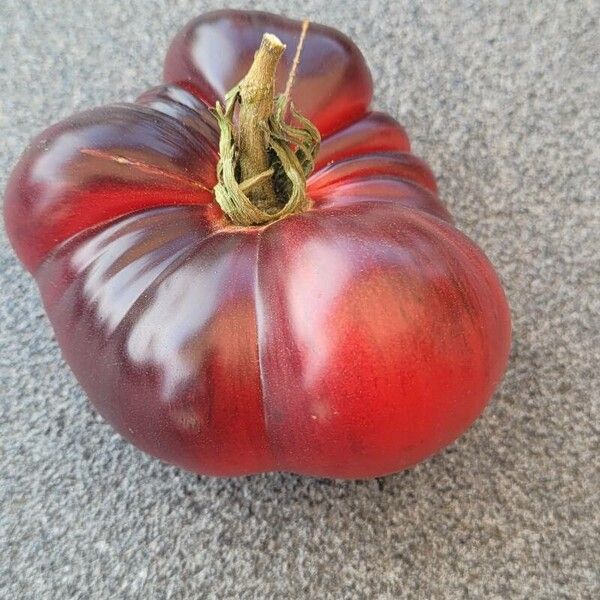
(503, 102)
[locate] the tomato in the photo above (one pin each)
(351, 339)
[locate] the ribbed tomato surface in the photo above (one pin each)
(351, 340)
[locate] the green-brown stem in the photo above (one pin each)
(257, 95)
(264, 161)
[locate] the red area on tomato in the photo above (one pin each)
(352, 340)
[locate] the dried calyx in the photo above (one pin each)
(264, 160)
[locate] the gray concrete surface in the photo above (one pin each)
(502, 99)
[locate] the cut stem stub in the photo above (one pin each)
(257, 97)
(264, 161)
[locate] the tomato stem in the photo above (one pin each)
(257, 96)
(264, 161)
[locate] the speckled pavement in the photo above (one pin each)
(502, 100)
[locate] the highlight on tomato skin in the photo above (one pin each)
(350, 339)
(212, 53)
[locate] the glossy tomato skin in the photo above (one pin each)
(352, 340)
(333, 85)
